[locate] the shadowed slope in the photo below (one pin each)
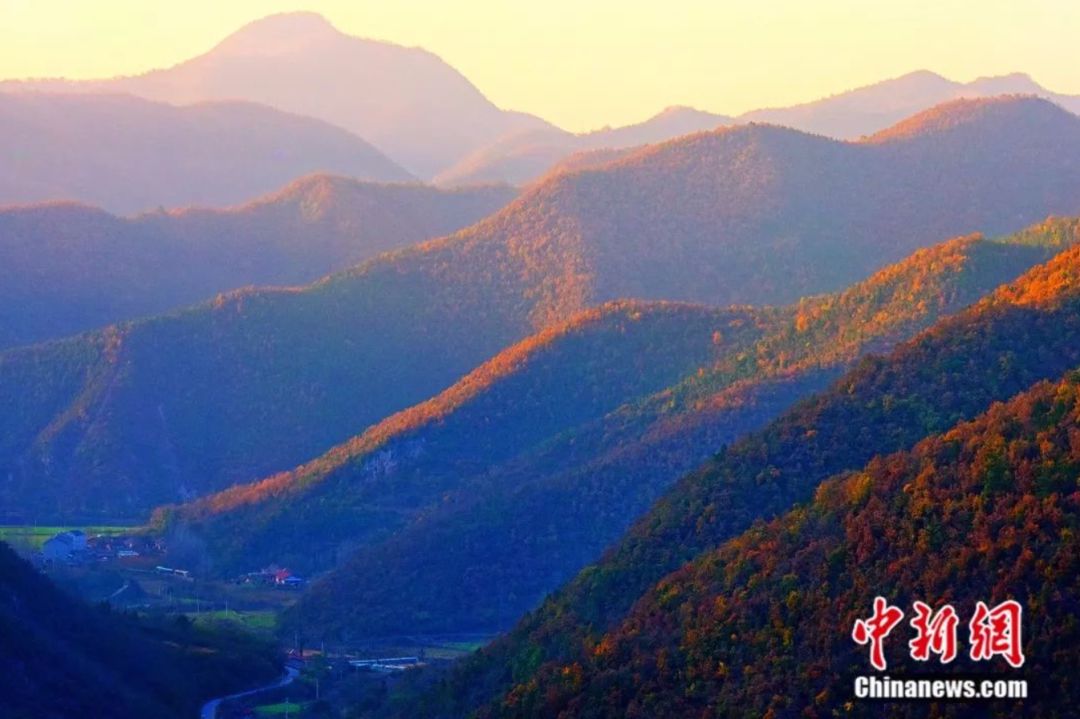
(63, 658)
(419, 459)
(1022, 333)
(533, 481)
(68, 268)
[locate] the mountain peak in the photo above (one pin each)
(274, 33)
(920, 76)
(1017, 111)
(676, 110)
(1013, 83)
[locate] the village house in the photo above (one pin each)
(272, 575)
(286, 579)
(64, 546)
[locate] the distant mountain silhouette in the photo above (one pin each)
(406, 101)
(522, 157)
(870, 109)
(525, 156)
(258, 382)
(129, 155)
(66, 268)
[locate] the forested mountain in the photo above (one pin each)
(987, 511)
(406, 101)
(437, 453)
(67, 268)
(524, 156)
(65, 659)
(130, 155)
(1022, 333)
(258, 382)
(514, 484)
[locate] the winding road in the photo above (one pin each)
(209, 709)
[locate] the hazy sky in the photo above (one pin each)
(586, 63)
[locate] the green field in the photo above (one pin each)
(279, 709)
(465, 647)
(263, 620)
(33, 536)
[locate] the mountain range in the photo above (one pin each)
(512, 486)
(984, 512)
(258, 382)
(407, 102)
(1021, 334)
(130, 155)
(872, 108)
(67, 268)
(522, 157)
(662, 409)
(428, 118)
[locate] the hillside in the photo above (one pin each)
(437, 452)
(258, 382)
(1022, 333)
(520, 504)
(67, 268)
(407, 102)
(65, 659)
(724, 202)
(522, 157)
(110, 151)
(986, 511)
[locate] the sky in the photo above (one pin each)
(583, 64)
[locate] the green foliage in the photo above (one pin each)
(32, 537)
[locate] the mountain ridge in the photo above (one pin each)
(847, 115)
(522, 509)
(746, 215)
(985, 511)
(407, 102)
(109, 150)
(102, 268)
(949, 373)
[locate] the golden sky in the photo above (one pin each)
(586, 63)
